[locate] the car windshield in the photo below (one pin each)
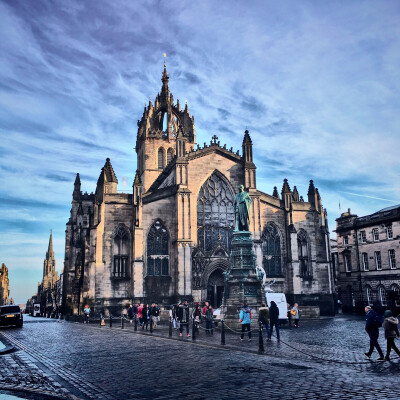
(10, 309)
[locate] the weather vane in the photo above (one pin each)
(165, 59)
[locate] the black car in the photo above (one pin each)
(11, 315)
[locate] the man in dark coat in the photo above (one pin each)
(182, 313)
(372, 328)
(274, 320)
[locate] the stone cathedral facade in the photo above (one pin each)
(171, 238)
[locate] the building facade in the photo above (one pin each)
(170, 238)
(367, 247)
(4, 285)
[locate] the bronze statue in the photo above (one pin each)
(241, 207)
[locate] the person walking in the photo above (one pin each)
(390, 325)
(295, 314)
(263, 317)
(183, 317)
(172, 316)
(372, 325)
(86, 312)
(245, 320)
(274, 321)
(205, 308)
(145, 316)
(140, 314)
(131, 313)
(196, 315)
(209, 316)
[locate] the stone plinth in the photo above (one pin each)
(242, 283)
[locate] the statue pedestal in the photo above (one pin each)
(242, 283)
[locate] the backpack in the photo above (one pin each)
(377, 320)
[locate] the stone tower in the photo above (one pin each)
(157, 133)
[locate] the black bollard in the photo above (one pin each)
(222, 332)
(260, 338)
(194, 330)
(101, 318)
(110, 321)
(135, 326)
(170, 327)
(122, 322)
(151, 325)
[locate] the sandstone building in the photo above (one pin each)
(367, 248)
(4, 285)
(170, 239)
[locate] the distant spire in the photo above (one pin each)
(77, 188)
(50, 252)
(311, 188)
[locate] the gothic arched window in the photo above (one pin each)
(271, 248)
(396, 293)
(382, 296)
(170, 155)
(369, 295)
(215, 217)
(120, 251)
(303, 251)
(157, 250)
(161, 158)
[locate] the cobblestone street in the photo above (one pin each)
(70, 360)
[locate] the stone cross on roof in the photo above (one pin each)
(215, 138)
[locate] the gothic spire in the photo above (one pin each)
(164, 79)
(275, 193)
(285, 187)
(295, 194)
(109, 172)
(50, 252)
(77, 188)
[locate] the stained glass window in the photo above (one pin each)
(157, 250)
(271, 251)
(215, 217)
(161, 158)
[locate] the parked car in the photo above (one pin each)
(11, 315)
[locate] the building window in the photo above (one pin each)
(303, 250)
(120, 252)
(271, 251)
(378, 260)
(157, 250)
(375, 234)
(389, 232)
(396, 292)
(392, 259)
(347, 262)
(363, 237)
(382, 296)
(160, 158)
(170, 155)
(365, 261)
(369, 296)
(215, 217)
(346, 240)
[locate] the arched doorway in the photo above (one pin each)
(215, 288)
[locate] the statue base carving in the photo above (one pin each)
(241, 283)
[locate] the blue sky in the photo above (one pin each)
(316, 83)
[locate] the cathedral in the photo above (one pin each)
(170, 238)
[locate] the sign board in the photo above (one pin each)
(280, 300)
(36, 310)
